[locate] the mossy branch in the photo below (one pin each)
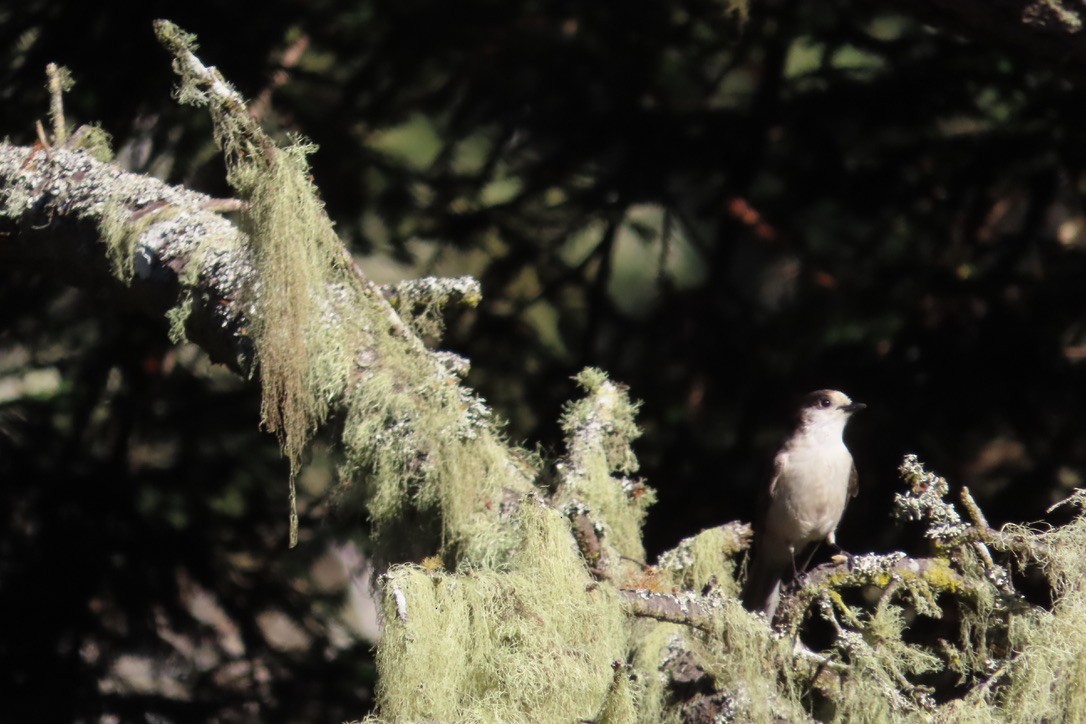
(316, 328)
(535, 642)
(708, 559)
(594, 486)
(685, 608)
(296, 252)
(923, 579)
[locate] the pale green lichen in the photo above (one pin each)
(880, 662)
(731, 670)
(420, 452)
(1044, 669)
(423, 455)
(755, 669)
(121, 232)
(925, 500)
(296, 252)
(421, 302)
(621, 703)
(654, 643)
(535, 643)
(95, 140)
(298, 257)
(708, 558)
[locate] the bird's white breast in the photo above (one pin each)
(812, 490)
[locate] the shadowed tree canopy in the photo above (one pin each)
(721, 207)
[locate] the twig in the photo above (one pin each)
(43, 138)
(59, 81)
(826, 608)
(981, 690)
(178, 43)
(888, 594)
(682, 608)
(584, 532)
(213, 88)
(224, 206)
(973, 510)
(291, 56)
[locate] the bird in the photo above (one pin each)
(813, 479)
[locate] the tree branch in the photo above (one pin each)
(52, 208)
(57, 209)
(685, 608)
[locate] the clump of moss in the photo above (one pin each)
(421, 302)
(535, 643)
(424, 456)
(709, 558)
(299, 259)
(1045, 670)
(653, 643)
(734, 672)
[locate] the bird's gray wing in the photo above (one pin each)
(853, 482)
(766, 495)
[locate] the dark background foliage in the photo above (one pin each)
(722, 215)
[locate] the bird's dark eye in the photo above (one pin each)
(824, 402)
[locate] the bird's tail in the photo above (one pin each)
(772, 562)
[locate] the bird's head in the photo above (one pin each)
(827, 408)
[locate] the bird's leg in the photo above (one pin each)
(841, 552)
(811, 550)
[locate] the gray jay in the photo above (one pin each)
(813, 479)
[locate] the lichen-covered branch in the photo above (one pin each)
(65, 212)
(685, 608)
(297, 255)
(872, 668)
(922, 579)
(421, 302)
(421, 452)
(594, 488)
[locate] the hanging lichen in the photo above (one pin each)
(534, 644)
(298, 259)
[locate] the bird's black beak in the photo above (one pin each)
(854, 407)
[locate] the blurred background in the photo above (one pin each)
(722, 211)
